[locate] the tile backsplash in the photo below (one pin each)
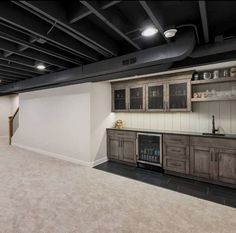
(199, 120)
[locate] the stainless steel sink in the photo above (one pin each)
(214, 135)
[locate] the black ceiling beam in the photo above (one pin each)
(10, 75)
(158, 56)
(84, 12)
(9, 34)
(9, 46)
(92, 6)
(11, 14)
(92, 38)
(203, 13)
(3, 77)
(152, 13)
(17, 72)
(24, 61)
(20, 67)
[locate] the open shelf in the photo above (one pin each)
(212, 81)
(226, 98)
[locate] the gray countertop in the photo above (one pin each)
(227, 136)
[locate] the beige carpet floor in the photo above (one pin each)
(44, 195)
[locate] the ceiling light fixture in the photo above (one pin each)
(170, 33)
(149, 31)
(41, 67)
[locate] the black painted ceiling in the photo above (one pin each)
(66, 34)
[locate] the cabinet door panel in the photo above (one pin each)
(119, 99)
(128, 150)
(227, 166)
(179, 95)
(155, 97)
(113, 147)
(137, 98)
(201, 162)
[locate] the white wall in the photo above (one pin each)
(8, 106)
(64, 122)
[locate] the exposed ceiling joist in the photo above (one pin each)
(204, 20)
(84, 12)
(23, 45)
(20, 67)
(21, 19)
(10, 75)
(24, 61)
(4, 77)
(16, 72)
(92, 38)
(32, 54)
(156, 56)
(92, 6)
(150, 9)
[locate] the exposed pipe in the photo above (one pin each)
(158, 56)
(194, 27)
(216, 48)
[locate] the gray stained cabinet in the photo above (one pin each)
(121, 146)
(172, 94)
(201, 164)
(213, 159)
(176, 153)
(226, 166)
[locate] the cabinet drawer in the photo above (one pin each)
(175, 139)
(213, 142)
(178, 153)
(175, 165)
(121, 133)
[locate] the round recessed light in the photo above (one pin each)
(149, 31)
(41, 67)
(170, 33)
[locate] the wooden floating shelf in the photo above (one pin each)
(212, 81)
(213, 99)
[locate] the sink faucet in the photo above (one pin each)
(214, 130)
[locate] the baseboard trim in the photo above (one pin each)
(61, 157)
(99, 161)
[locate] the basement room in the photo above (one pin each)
(118, 116)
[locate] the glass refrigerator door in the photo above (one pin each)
(149, 148)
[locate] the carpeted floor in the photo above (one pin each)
(44, 195)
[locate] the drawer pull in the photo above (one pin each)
(176, 164)
(177, 151)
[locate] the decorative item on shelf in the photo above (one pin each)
(119, 124)
(225, 73)
(216, 74)
(206, 75)
(233, 72)
(195, 76)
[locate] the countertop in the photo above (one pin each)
(227, 136)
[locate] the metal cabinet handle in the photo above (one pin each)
(177, 151)
(216, 157)
(211, 156)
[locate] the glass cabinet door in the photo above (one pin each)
(155, 97)
(179, 96)
(136, 98)
(119, 100)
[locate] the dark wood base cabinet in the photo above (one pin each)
(202, 158)
(121, 146)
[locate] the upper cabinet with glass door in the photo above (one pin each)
(179, 95)
(171, 93)
(136, 98)
(155, 97)
(119, 99)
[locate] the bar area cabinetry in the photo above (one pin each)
(172, 93)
